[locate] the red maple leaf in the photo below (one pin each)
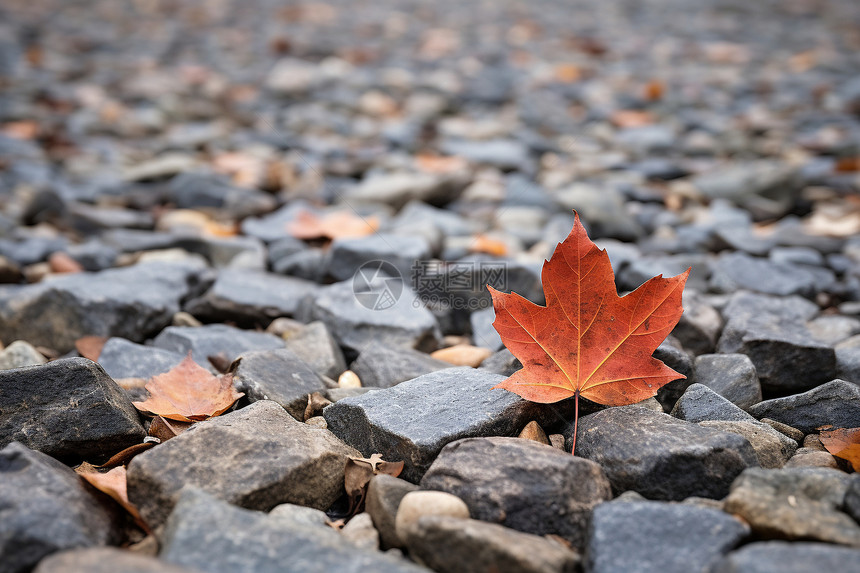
(587, 341)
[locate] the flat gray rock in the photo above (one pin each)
(123, 358)
(384, 494)
(208, 340)
(521, 484)
(383, 366)
(256, 457)
(732, 376)
(736, 270)
(772, 448)
(45, 508)
(69, 408)
(315, 345)
(657, 536)
(836, 403)
(20, 354)
(401, 251)
(700, 403)
(797, 557)
(131, 302)
(660, 456)
(699, 327)
(209, 535)
(414, 420)
(794, 504)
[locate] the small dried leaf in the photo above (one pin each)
(164, 429)
(316, 403)
(843, 443)
(358, 473)
(463, 355)
(90, 346)
(113, 483)
(341, 224)
(485, 244)
(632, 118)
(125, 456)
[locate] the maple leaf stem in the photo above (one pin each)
(575, 420)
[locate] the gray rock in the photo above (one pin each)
(766, 188)
(388, 318)
(214, 340)
(414, 420)
(122, 358)
(45, 508)
(383, 366)
(451, 545)
(732, 376)
(521, 484)
(772, 448)
(131, 302)
(812, 458)
(397, 189)
(227, 252)
(250, 297)
(657, 536)
(848, 359)
(105, 560)
(659, 456)
(671, 353)
(601, 209)
(69, 409)
(836, 403)
(20, 354)
(770, 556)
(277, 375)
(209, 190)
(317, 347)
(293, 76)
(212, 536)
(502, 362)
(833, 328)
(851, 504)
(256, 457)
(506, 154)
(483, 332)
(383, 498)
(349, 254)
(699, 326)
(273, 226)
(360, 532)
(785, 429)
(736, 270)
(700, 403)
(299, 515)
(794, 504)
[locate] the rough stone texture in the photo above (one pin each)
(123, 358)
(785, 429)
(317, 347)
(657, 536)
(69, 409)
(699, 326)
(811, 458)
(451, 545)
(659, 456)
(355, 325)
(44, 508)
(384, 494)
(20, 354)
(383, 366)
(772, 448)
(360, 532)
(794, 504)
(131, 302)
(300, 515)
(250, 297)
(105, 560)
(675, 357)
(256, 457)
(770, 556)
(851, 504)
(212, 536)
(521, 484)
(736, 270)
(402, 251)
(502, 362)
(422, 503)
(848, 359)
(414, 420)
(732, 376)
(214, 340)
(700, 403)
(277, 375)
(836, 403)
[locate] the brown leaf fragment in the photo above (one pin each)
(188, 393)
(358, 473)
(340, 224)
(843, 443)
(220, 362)
(125, 456)
(535, 433)
(113, 483)
(90, 346)
(164, 429)
(316, 403)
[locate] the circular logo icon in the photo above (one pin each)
(377, 285)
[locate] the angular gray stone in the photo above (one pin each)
(451, 545)
(123, 358)
(732, 376)
(737, 270)
(483, 333)
(659, 456)
(397, 189)
(250, 297)
(105, 560)
(848, 359)
(502, 362)
(675, 357)
(131, 302)
(214, 340)
(20, 354)
(699, 327)
(315, 345)
(383, 366)
(191, 190)
(277, 375)
(212, 536)
(392, 320)
(795, 504)
(851, 503)
(414, 420)
(657, 536)
(797, 557)
(700, 403)
(383, 498)
(69, 409)
(772, 448)
(45, 508)
(401, 251)
(299, 515)
(521, 484)
(836, 403)
(256, 457)
(833, 328)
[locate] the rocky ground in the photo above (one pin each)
(199, 176)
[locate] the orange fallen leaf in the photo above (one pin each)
(485, 244)
(843, 443)
(163, 430)
(568, 73)
(113, 483)
(847, 164)
(188, 392)
(632, 118)
(587, 341)
(337, 225)
(61, 262)
(654, 90)
(21, 129)
(90, 346)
